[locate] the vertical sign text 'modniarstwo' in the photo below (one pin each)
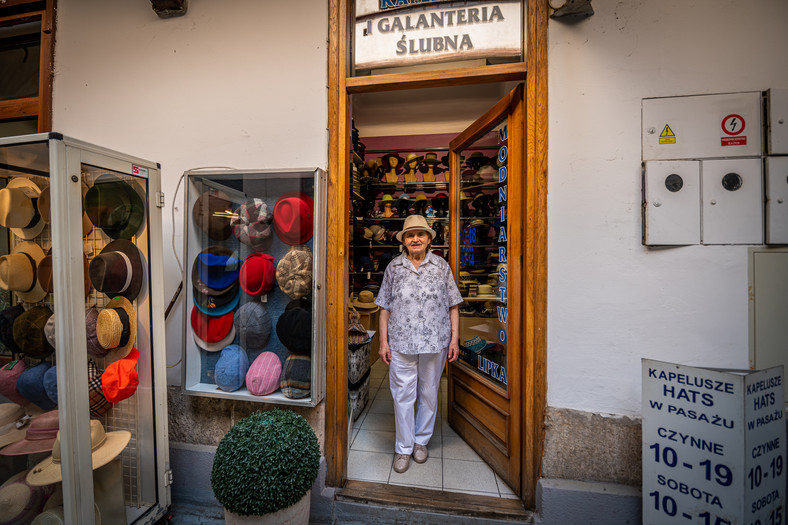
(713, 446)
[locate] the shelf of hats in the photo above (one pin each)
(38, 317)
(254, 327)
(394, 177)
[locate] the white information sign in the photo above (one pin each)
(398, 33)
(713, 446)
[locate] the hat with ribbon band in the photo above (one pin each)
(213, 212)
(39, 437)
(116, 326)
(19, 208)
(13, 423)
(19, 272)
(117, 270)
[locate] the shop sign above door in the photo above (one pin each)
(390, 33)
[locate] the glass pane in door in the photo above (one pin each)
(482, 276)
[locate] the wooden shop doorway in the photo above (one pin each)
(504, 424)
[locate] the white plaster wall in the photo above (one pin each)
(611, 301)
(238, 83)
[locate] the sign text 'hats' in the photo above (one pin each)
(294, 327)
(19, 210)
(263, 375)
(230, 371)
(31, 385)
(257, 274)
(115, 206)
(29, 332)
(40, 435)
(105, 447)
(294, 272)
(296, 378)
(252, 226)
(253, 326)
(116, 326)
(117, 270)
(294, 217)
(212, 213)
(9, 375)
(18, 272)
(211, 329)
(119, 381)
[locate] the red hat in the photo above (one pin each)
(211, 328)
(293, 217)
(119, 381)
(257, 274)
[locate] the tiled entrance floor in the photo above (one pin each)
(452, 464)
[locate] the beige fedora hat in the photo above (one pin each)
(415, 222)
(18, 272)
(18, 210)
(105, 447)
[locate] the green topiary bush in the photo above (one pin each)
(265, 463)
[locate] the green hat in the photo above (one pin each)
(115, 207)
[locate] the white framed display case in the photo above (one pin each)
(254, 276)
(102, 347)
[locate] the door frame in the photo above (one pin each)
(534, 202)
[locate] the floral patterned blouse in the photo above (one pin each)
(418, 301)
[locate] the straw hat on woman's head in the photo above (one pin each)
(415, 222)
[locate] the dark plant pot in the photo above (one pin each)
(296, 514)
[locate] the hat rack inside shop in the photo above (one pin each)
(115, 288)
(254, 321)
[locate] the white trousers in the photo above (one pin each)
(409, 375)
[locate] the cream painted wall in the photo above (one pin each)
(611, 301)
(238, 83)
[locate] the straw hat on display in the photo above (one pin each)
(116, 326)
(18, 210)
(105, 447)
(39, 437)
(19, 501)
(18, 272)
(13, 423)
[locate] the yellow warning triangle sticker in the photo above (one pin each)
(667, 132)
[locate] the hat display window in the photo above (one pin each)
(254, 254)
(82, 322)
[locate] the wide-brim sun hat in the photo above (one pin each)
(40, 436)
(19, 210)
(117, 270)
(116, 326)
(413, 223)
(19, 501)
(19, 272)
(105, 447)
(13, 423)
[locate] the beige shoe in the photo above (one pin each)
(401, 462)
(420, 453)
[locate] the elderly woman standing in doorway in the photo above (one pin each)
(419, 328)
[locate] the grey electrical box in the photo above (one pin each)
(777, 111)
(777, 200)
(702, 126)
(732, 204)
(671, 202)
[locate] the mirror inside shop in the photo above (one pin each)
(38, 352)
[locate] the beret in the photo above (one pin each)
(231, 368)
(253, 326)
(263, 375)
(296, 379)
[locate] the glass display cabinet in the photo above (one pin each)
(83, 419)
(254, 322)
